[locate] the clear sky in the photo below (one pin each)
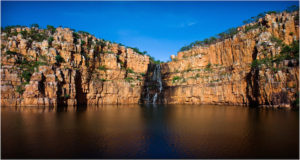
(160, 28)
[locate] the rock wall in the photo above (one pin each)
(42, 67)
(222, 73)
(68, 68)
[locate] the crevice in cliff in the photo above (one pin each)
(125, 64)
(252, 79)
(61, 91)
(60, 97)
(41, 85)
(100, 93)
(81, 97)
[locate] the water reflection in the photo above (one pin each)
(134, 131)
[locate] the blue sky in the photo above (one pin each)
(160, 28)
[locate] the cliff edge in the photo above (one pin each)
(61, 67)
(259, 65)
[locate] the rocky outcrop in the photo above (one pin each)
(68, 68)
(225, 72)
(257, 66)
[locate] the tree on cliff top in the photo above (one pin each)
(34, 25)
(51, 28)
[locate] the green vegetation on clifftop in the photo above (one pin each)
(232, 31)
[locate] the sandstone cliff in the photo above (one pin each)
(254, 67)
(63, 67)
(259, 65)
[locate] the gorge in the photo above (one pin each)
(259, 65)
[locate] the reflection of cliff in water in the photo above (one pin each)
(164, 131)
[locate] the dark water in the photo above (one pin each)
(133, 131)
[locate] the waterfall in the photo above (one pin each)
(148, 95)
(153, 86)
(154, 98)
(156, 77)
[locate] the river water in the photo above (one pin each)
(153, 131)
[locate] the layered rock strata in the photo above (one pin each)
(257, 66)
(225, 72)
(68, 69)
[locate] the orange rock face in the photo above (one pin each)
(68, 68)
(72, 69)
(221, 73)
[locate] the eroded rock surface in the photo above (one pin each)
(67, 68)
(257, 66)
(225, 72)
